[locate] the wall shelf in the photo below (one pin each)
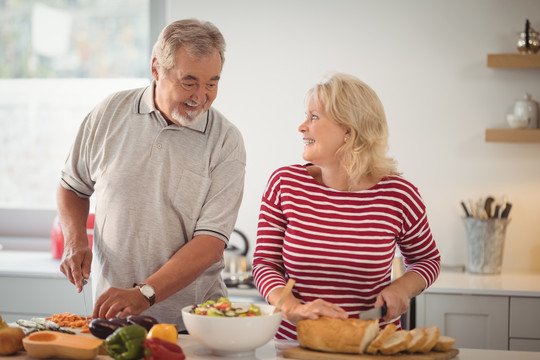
(513, 135)
(513, 60)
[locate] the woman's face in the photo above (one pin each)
(322, 136)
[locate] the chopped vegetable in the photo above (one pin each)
(72, 321)
(223, 307)
(159, 349)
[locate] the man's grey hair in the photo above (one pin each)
(200, 38)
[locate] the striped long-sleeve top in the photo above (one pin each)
(338, 245)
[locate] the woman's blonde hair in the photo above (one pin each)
(357, 108)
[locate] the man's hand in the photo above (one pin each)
(77, 257)
(76, 264)
(117, 302)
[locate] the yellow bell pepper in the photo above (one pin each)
(167, 332)
(3, 323)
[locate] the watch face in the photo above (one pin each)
(147, 291)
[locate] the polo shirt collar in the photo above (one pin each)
(147, 105)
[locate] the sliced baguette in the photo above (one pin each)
(444, 343)
(396, 342)
(384, 334)
(432, 337)
(418, 339)
(335, 335)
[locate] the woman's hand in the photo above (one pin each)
(295, 312)
(396, 301)
(398, 293)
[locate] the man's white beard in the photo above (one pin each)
(191, 117)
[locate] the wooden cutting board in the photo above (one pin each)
(305, 354)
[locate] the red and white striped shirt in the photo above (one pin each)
(337, 245)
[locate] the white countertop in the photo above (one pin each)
(29, 263)
(272, 350)
(504, 284)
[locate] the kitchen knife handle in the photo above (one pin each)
(465, 209)
(384, 310)
(506, 211)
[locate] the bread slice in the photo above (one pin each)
(432, 337)
(418, 339)
(396, 342)
(384, 334)
(335, 335)
(444, 343)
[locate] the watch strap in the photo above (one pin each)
(151, 299)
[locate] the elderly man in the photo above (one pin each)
(168, 173)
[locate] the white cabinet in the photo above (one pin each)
(27, 297)
(524, 323)
(31, 285)
(500, 312)
(479, 322)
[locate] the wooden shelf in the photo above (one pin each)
(513, 135)
(513, 60)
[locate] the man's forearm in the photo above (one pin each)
(190, 261)
(73, 215)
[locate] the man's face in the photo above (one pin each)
(189, 88)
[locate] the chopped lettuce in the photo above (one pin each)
(224, 308)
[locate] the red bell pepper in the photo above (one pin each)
(159, 349)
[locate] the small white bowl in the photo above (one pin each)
(516, 121)
(233, 336)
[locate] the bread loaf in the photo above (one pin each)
(432, 337)
(418, 339)
(444, 343)
(335, 335)
(396, 342)
(384, 334)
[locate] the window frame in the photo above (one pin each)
(30, 228)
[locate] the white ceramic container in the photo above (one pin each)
(233, 336)
(527, 108)
(517, 122)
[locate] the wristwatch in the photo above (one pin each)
(148, 292)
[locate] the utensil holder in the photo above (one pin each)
(485, 243)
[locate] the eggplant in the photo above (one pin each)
(144, 320)
(101, 328)
(121, 322)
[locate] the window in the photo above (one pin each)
(58, 59)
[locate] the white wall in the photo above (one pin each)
(427, 61)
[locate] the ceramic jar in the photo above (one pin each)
(527, 108)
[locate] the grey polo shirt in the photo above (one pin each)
(157, 186)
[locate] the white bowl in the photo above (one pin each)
(235, 336)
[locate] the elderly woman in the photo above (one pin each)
(334, 224)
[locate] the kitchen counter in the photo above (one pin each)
(273, 349)
(37, 287)
(29, 263)
(504, 284)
